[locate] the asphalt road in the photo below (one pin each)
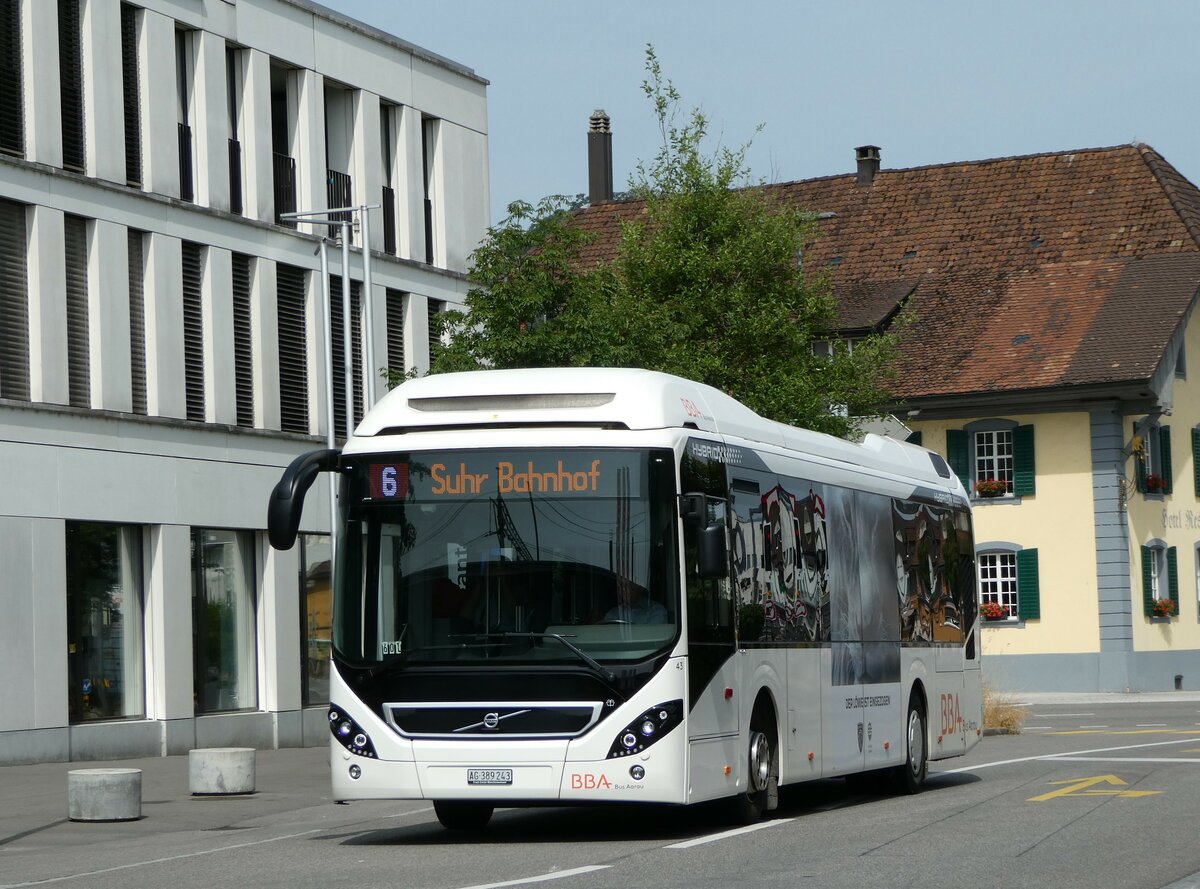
(1092, 793)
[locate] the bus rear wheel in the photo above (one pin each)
(458, 815)
(916, 758)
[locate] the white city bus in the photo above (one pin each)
(601, 585)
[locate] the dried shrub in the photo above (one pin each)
(1001, 712)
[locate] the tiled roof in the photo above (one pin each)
(1023, 273)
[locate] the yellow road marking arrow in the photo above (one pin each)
(1081, 787)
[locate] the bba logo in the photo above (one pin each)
(589, 781)
(951, 716)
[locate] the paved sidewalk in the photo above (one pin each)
(33, 799)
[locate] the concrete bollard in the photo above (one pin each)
(104, 794)
(221, 770)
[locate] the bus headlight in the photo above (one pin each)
(349, 733)
(647, 729)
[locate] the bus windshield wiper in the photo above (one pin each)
(598, 667)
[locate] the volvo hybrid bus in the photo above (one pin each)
(611, 585)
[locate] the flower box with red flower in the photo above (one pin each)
(1155, 483)
(1163, 607)
(993, 611)
(991, 487)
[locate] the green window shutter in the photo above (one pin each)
(914, 437)
(1023, 464)
(1029, 602)
(1140, 464)
(1147, 590)
(957, 455)
(1173, 577)
(1196, 460)
(1164, 456)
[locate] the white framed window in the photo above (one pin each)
(994, 456)
(998, 581)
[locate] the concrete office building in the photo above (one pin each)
(162, 343)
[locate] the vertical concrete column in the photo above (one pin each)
(367, 160)
(314, 323)
(264, 343)
(280, 605)
(46, 671)
(103, 118)
(160, 116)
(211, 121)
(416, 332)
(163, 298)
(309, 143)
(48, 376)
(39, 71)
(258, 194)
(216, 307)
(108, 317)
(410, 185)
(169, 625)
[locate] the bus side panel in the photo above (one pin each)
(946, 723)
(715, 738)
(801, 758)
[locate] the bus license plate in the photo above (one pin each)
(489, 776)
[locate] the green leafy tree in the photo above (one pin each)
(705, 283)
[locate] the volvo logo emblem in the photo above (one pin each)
(491, 721)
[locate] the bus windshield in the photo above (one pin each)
(562, 556)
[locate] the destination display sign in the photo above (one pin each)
(466, 474)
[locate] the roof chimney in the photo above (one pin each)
(600, 167)
(868, 163)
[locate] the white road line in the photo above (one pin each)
(557, 875)
(1052, 756)
(1151, 725)
(186, 855)
(737, 831)
(1048, 715)
(1039, 728)
(1093, 726)
(1068, 758)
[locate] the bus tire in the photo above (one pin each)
(916, 753)
(460, 815)
(750, 805)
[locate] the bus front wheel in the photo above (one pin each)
(749, 806)
(458, 815)
(916, 760)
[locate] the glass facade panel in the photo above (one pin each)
(223, 620)
(104, 621)
(316, 616)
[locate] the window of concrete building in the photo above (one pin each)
(14, 303)
(316, 616)
(75, 231)
(185, 67)
(131, 93)
(137, 318)
(396, 360)
(339, 144)
(12, 94)
(105, 641)
(389, 116)
(243, 357)
(293, 360)
(336, 310)
(283, 126)
(235, 83)
(430, 131)
(193, 331)
(224, 645)
(70, 72)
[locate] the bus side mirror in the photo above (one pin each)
(712, 559)
(692, 508)
(287, 498)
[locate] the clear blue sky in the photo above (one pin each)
(928, 81)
